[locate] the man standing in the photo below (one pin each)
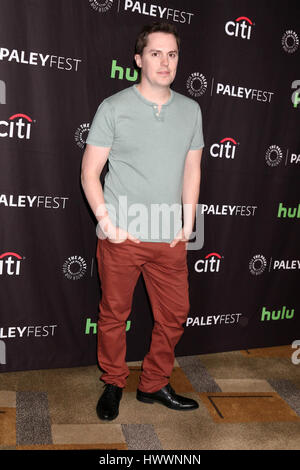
(152, 137)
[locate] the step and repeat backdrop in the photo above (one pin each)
(58, 60)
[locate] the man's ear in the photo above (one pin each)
(138, 60)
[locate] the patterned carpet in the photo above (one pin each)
(248, 400)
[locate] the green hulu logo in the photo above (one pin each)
(91, 327)
(283, 314)
(290, 212)
(118, 70)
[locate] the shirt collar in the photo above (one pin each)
(151, 103)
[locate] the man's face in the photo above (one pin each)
(159, 59)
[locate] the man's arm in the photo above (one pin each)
(93, 161)
(191, 189)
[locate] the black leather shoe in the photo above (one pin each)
(108, 404)
(167, 397)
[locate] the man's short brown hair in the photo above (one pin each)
(142, 38)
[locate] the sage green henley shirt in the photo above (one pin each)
(143, 185)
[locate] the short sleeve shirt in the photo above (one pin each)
(148, 148)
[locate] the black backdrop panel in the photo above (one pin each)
(58, 61)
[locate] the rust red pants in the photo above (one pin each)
(166, 277)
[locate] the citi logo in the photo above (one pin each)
(225, 148)
(211, 263)
(18, 125)
(241, 27)
(119, 71)
(283, 314)
(10, 263)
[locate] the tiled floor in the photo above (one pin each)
(247, 400)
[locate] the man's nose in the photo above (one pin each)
(165, 60)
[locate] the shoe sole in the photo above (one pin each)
(151, 401)
(108, 419)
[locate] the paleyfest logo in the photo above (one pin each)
(237, 91)
(144, 8)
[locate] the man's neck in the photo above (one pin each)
(159, 95)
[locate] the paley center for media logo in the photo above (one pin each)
(290, 41)
(101, 5)
(74, 267)
(81, 134)
(162, 12)
(258, 264)
(274, 156)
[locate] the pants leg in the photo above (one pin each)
(166, 279)
(118, 275)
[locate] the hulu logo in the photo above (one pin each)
(290, 212)
(283, 314)
(91, 327)
(117, 69)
